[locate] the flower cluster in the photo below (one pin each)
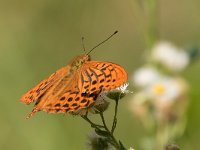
(161, 100)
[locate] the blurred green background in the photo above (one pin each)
(38, 37)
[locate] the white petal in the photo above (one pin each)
(145, 76)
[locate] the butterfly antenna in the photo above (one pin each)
(102, 42)
(82, 41)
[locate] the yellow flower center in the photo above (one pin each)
(159, 89)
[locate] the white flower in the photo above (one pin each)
(164, 95)
(170, 56)
(162, 99)
(131, 148)
(123, 88)
(119, 92)
(166, 89)
(145, 75)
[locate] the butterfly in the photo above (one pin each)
(75, 86)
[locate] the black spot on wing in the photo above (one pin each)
(101, 87)
(39, 98)
(110, 73)
(102, 72)
(82, 79)
(83, 101)
(77, 98)
(75, 92)
(70, 99)
(85, 87)
(96, 76)
(66, 105)
(102, 80)
(103, 65)
(88, 76)
(94, 82)
(106, 75)
(93, 89)
(108, 80)
(62, 98)
(74, 104)
(57, 105)
(84, 94)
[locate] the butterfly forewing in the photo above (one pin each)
(60, 100)
(109, 75)
(33, 94)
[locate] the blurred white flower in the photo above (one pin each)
(173, 58)
(145, 76)
(138, 104)
(162, 98)
(131, 148)
(166, 89)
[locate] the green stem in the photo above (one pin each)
(115, 117)
(93, 125)
(109, 133)
(103, 120)
(162, 135)
(114, 141)
(152, 24)
(96, 126)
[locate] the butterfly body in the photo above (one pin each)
(75, 86)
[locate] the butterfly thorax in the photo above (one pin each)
(78, 61)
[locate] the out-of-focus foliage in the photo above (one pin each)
(38, 37)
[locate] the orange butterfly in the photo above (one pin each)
(75, 86)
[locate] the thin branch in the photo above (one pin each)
(93, 125)
(114, 141)
(115, 117)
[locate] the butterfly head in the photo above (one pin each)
(79, 60)
(83, 58)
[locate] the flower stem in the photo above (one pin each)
(104, 131)
(115, 117)
(93, 125)
(114, 141)
(152, 24)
